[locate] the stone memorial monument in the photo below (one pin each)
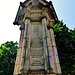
(37, 53)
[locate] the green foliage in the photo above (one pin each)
(65, 39)
(58, 27)
(8, 52)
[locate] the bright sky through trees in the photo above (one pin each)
(65, 10)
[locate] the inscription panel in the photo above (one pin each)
(36, 39)
(36, 52)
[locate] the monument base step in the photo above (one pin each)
(38, 74)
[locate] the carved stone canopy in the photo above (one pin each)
(28, 7)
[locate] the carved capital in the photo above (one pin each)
(43, 17)
(48, 26)
(52, 21)
(28, 18)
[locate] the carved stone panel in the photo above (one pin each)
(36, 16)
(36, 39)
(36, 52)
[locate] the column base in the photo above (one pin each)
(37, 73)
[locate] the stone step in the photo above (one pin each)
(36, 51)
(38, 48)
(37, 56)
(37, 62)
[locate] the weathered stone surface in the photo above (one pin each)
(37, 54)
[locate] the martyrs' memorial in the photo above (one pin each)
(37, 53)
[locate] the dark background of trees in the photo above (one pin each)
(65, 41)
(8, 53)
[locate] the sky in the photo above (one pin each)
(65, 10)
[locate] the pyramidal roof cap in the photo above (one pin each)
(44, 3)
(35, 0)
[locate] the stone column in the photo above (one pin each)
(54, 56)
(45, 44)
(18, 58)
(26, 67)
(51, 56)
(43, 35)
(25, 42)
(50, 52)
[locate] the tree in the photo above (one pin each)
(65, 40)
(8, 53)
